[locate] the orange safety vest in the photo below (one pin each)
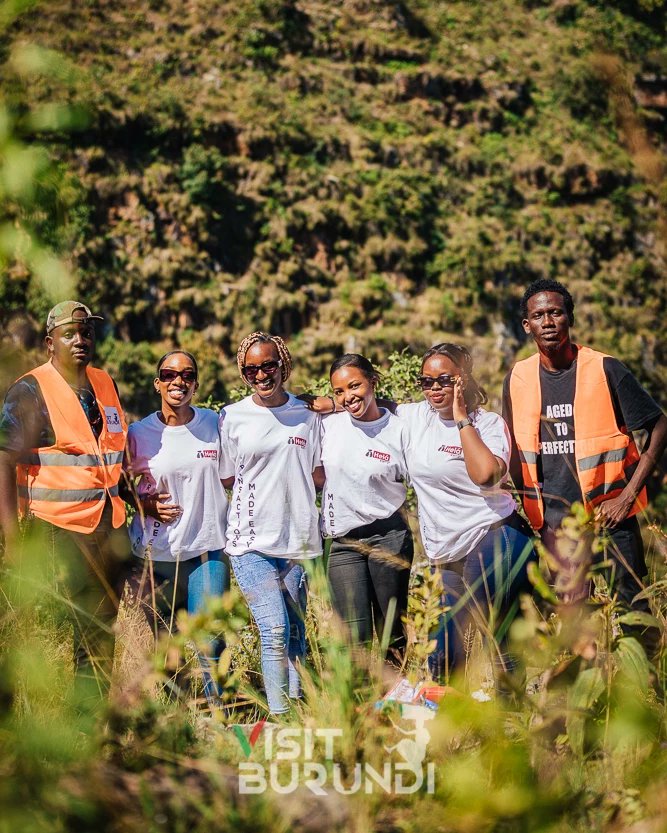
(605, 455)
(67, 483)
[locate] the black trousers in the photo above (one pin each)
(368, 568)
(624, 548)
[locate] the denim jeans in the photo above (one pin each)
(482, 589)
(186, 585)
(367, 568)
(276, 592)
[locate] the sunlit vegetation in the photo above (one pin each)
(367, 175)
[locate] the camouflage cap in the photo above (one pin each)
(63, 313)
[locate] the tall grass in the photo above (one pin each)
(579, 747)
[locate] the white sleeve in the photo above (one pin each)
(227, 465)
(408, 413)
(405, 437)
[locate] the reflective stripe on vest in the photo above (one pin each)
(614, 456)
(605, 456)
(66, 495)
(67, 484)
(44, 458)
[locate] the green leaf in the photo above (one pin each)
(638, 617)
(585, 690)
(540, 584)
(632, 662)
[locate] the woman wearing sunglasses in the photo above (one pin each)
(178, 531)
(272, 442)
(363, 452)
(457, 458)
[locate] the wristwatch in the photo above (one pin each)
(462, 423)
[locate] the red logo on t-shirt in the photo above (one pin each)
(451, 449)
(378, 455)
(208, 454)
(297, 441)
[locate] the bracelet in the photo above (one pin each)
(462, 423)
(333, 403)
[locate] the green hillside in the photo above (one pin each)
(361, 175)
(353, 175)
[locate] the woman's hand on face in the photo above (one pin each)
(459, 410)
(156, 507)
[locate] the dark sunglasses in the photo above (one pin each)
(250, 371)
(445, 381)
(167, 375)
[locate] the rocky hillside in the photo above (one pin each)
(351, 174)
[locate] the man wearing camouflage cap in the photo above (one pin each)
(62, 437)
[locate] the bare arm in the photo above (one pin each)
(611, 512)
(319, 477)
(484, 468)
(127, 490)
(482, 465)
(153, 504)
(319, 404)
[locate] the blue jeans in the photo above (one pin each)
(484, 589)
(187, 585)
(276, 592)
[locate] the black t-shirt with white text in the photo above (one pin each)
(634, 409)
(556, 466)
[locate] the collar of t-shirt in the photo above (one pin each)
(371, 423)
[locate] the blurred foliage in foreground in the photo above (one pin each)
(579, 747)
(362, 175)
(353, 175)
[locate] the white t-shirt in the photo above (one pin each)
(365, 466)
(454, 513)
(272, 453)
(184, 461)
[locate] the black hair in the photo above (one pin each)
(474, 394)
(547, 285)
(360, 362)
(178, 353)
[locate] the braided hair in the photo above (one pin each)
(474, 394)
(265, 338)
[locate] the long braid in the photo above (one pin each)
(265, 338)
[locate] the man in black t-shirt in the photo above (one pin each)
(571, 412)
